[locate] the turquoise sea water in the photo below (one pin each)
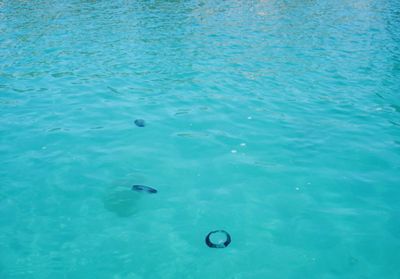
(278, 121)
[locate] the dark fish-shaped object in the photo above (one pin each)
(140, 123)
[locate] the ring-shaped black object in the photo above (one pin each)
(143, 188)
(218, 245)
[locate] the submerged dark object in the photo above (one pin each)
(218, 245)
(140, 122)
(143, 188)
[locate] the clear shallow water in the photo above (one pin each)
(278, 121)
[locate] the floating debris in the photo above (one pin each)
(140, 122)
(222, 243)
(143, 188)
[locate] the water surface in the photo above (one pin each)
(277, 121)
